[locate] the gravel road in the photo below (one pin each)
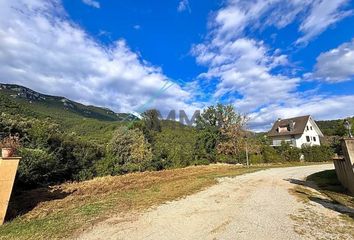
(258, 205)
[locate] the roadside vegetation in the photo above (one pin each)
(63, 210)
(329, 185)
(56, 150)
(78, 143)
(323, 188)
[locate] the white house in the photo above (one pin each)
(297, 131)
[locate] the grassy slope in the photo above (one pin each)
(75, 206)
(328, 183)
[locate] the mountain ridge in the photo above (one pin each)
(45, 104)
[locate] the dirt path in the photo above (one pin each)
(252, 206)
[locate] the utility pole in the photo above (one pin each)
(248, 164)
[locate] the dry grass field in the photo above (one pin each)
(64, 210)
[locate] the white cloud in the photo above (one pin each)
(137, 27)
(248, 69)
(336, 65)
(314, 16)
(92, 3)
(244, 67)
(323, 14)
(183, 5)
(40, 48)
(320, 107)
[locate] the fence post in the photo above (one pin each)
(344, 165)
(8, 169)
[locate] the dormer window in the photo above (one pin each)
(282, 129)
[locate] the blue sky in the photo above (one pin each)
(269, 58)
(156, 29)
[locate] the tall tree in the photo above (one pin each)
(129, 147)
(151, 119)
(219, 116)
(220, 131)
(233, 136)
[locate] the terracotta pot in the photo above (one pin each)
(7, 152)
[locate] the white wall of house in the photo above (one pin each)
(309, 137)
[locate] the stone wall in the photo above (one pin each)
(344, 166)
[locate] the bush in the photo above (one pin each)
(317, 153)
(256, 159)
(270, 155)
(128, 151)
(174, 147)
(200, 162)
(38, 168)
(205, 145)
(289, 153)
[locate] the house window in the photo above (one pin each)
(307, 128)
(314, 139)
(307, 138)
(311, 127)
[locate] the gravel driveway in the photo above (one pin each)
(252, 206)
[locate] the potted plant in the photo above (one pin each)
(9, 145)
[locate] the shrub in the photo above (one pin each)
(317, 153)
(38, 168)
(205, 145)
(127, 151)
(256, 159)
(174, 147)
(288, 153)
(270, 155)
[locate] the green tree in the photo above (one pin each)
(205, 146)
(317, 153)
(218, 125)
(151, 119)
(174, 145)
(38, 168)
(233, 136)
(270, 155)
(219, 116)
(288, 153)
(128, 151)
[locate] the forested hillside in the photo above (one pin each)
(334, 127)
(61, 140)
(90, 122)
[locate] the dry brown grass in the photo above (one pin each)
(309, 221)
(170, 182)
(75, 206)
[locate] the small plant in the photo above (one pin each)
(9, 145)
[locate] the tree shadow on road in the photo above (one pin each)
(334, 200)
